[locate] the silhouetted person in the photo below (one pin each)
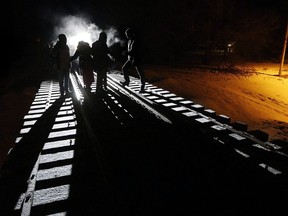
(61, 56)
(133, 59)
(83, 52)
(102, 61)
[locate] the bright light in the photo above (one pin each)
(80, 29)
(74, 40)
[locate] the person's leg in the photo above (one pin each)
(61, 75)
(84, 78)
(105, 79)
(141, 75)
(88, 78)
(66, 81)
(125, 72)
(99, 81)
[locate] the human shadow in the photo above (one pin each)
(17, 168)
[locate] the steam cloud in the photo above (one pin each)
(77, 28)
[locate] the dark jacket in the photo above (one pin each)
(83, 52)
(100, 53)
(60, 53)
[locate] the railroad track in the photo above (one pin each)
(122, 151)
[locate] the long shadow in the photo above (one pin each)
(22, 158)
(166, 168)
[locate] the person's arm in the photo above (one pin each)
(126, 52)
(75, 56)
(53, 52)
(109, 53)
(132, 48)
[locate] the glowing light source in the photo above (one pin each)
(82, 36)
(78, 28)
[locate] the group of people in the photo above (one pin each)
(98, 58)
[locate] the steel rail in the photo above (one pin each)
(167, 115)
(171, 116)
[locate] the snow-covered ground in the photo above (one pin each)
(258, 97)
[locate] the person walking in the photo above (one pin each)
(102, 61)
(83, 52)
(133, 59)
(60, 54)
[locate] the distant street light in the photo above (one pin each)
(284, 50)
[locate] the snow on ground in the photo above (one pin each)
(258, 97)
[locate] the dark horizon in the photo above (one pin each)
(163, 25)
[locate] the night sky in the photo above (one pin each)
(34, 14)
(160, 22)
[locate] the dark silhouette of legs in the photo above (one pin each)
(125, 71)
(139, 71)
(64, 81)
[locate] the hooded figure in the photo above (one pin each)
(102, 61)
(83, 52)
(133, 59)
(60, 53)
